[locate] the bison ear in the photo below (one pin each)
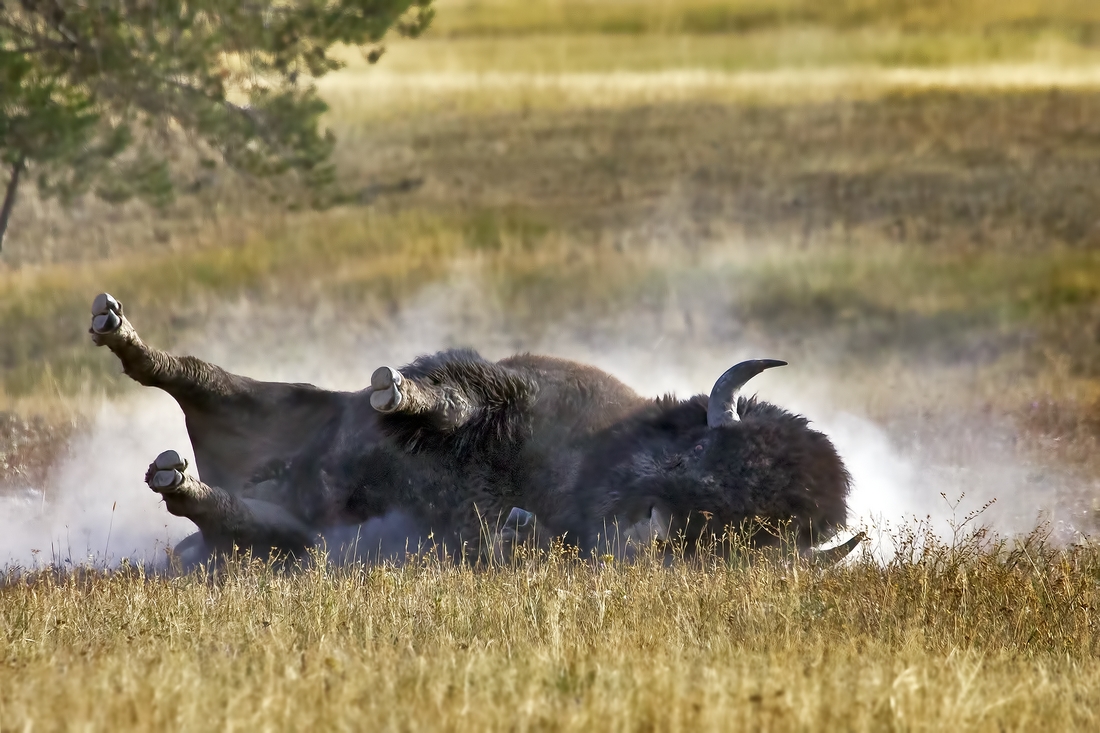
(722, 408)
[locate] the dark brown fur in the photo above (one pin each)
(471, 440)
(584, 453)
(770, 468)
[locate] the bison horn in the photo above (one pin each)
(835, 554)
(722, 409)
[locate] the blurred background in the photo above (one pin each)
(899, 197)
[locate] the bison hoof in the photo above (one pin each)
(106, 314)
(519, 518)
(166, 472)
(517, 527)
(386, 383)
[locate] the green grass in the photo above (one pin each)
(895, 300)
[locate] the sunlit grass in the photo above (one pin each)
(50, 303)
(373, 96)
(778, 48)
(967, 635)
(470, 17)
(898, 197)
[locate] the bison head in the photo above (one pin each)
(702, 465)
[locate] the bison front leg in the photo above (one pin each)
(489, 532)
(455, 403)
(520, 528)
(226, 521)
(445, 406)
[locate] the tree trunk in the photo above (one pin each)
(9, 197)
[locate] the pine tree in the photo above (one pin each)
(91, 90)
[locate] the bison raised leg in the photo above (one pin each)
(238, 426)
(454, 403)
(185, 376)
(387, 394)
(444, 406)
(225, 520)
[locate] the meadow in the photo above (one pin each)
(900, 198)
(962, 636)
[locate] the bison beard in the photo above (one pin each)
(467, 450)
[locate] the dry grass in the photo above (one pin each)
(800, 48)
(967, 637)
(383, 98)
(901, 196)
(560, 36)
(481, 17)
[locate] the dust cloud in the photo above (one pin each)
(97, 508)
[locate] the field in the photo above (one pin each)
(959, 639)
(899, 198)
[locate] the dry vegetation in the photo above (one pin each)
(903, 194)
(1078, 18)
(964, 637)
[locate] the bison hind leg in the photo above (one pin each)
(225, 520)
(192, 552)
(106, 314)
(167, 472)
(109, 326)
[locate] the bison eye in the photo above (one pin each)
(699, 448)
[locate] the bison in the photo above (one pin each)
(461, 449)
(596, 463)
